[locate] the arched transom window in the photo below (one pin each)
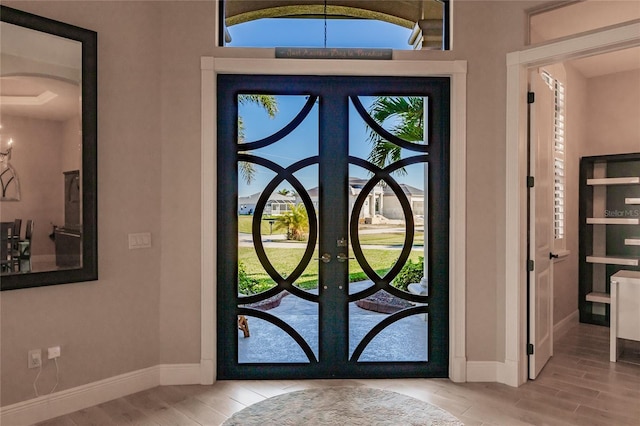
(421, 24)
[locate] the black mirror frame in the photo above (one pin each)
(89, 39)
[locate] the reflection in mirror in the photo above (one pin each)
(48, 140)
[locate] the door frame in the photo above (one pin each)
(456, 70)
(514, 371)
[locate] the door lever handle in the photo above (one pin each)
(553, 256)
(343, 257)
(326, 258)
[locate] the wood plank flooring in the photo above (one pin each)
(579, 386)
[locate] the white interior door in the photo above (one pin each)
(541, 232)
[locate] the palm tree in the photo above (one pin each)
(284, 192)
(270, 105)
(295, 221)
(407, 114)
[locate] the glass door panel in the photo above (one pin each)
(387, 199)
(276, 228)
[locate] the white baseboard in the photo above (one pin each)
(485, 371)
(565, 324)
(70, 400)
(507, 372)
(179, 374)
(458, 369)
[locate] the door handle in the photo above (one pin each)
(343, 257)
(553, 256)
(326, 258)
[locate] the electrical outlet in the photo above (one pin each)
(53, 352)
(140, 240)
(35, 358)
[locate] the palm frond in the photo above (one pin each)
(247, 171)
(270, 104)
(267, 102)
(404, 115)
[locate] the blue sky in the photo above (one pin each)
(289, 32)
(303, 143)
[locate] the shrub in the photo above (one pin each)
(411, 272)
(295, 221)
(248, 285)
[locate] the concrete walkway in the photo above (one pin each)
(405, 340)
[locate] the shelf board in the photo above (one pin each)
(632, 200)
(613, 221)
(614, 260)
(633, 241)
(614, 181)
(595, 296)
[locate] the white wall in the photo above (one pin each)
(612, 115)
(72, 147)
(188, 34)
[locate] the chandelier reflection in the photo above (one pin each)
(9, 183)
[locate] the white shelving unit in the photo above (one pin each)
(610, 190)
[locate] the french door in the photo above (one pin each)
(333, 227)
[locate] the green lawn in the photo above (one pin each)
(383, 238)
(245, 222)
(285, 260)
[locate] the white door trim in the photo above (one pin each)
(613, 38)
(457, 70)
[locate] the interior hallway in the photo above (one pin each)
(579, 386)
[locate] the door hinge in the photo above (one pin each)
(530, 181)
(530, 349)
(531, 265)
(531, 97)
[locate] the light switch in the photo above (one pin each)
(139, 240)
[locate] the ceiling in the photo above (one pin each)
(39, 97)
(40, 74)
(583, 16)
(608, 63)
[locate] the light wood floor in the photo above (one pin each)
(579, 386)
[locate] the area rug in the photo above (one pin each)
(352, 406)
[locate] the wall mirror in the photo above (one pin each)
(48, 141)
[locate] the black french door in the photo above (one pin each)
(333, 227)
